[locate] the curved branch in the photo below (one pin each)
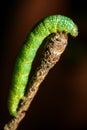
(54, 47)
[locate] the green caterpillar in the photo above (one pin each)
(22, 68)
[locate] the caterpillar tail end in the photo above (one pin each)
(12, 108)
(13, 113)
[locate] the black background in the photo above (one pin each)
(61, 101)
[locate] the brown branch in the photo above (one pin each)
(54, 47)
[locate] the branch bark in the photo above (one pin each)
(54, 47)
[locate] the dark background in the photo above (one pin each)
(61, 101)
